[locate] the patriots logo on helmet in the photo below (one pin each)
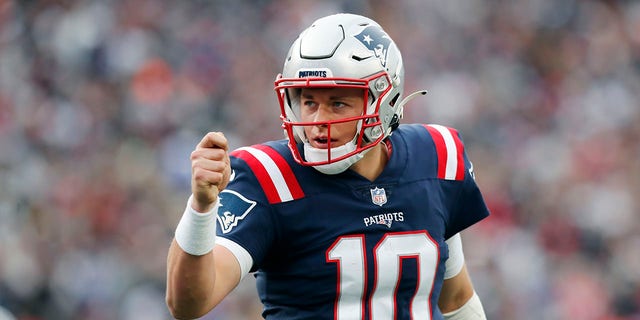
(233, 208)
(376, 40)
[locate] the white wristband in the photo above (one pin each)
(196, 232)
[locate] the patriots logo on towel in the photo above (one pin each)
(376, 40)
(233, 208)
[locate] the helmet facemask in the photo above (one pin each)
(369, 126)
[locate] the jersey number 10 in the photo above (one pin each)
(349, 253)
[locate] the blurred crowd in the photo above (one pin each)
(101, 103)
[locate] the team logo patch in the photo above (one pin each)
(385, 221)
(233, 208)
(376, 40)
(471, 172)
(378, 196)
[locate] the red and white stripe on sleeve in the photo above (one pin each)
(273, 172)
(450, 152)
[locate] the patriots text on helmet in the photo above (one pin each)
(312, 73)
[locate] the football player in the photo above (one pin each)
(352, 216)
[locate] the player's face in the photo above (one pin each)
(330, 104)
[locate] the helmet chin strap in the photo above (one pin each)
(317, 155)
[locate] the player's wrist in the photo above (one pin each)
(203, 201)
(196, 231)
(201, 208)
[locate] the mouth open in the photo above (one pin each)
(322, 142)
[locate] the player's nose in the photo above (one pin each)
(322, 115)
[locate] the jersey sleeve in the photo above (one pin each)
(245, 224)
(261, 178)
(455, 171)
(469, 206)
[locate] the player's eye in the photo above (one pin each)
(339, 104)
(309, 103)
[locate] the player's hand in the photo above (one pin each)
(210, 170)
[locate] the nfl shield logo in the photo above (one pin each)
(378, 196)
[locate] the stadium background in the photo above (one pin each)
(101, 103)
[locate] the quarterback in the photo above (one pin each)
(351, 216)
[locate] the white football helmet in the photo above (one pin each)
(342, 50)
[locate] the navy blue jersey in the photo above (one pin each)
(341, 246)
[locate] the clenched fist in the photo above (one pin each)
(210, 170)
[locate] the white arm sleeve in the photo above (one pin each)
(472, 310)
(244, 258)
(454, 264)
